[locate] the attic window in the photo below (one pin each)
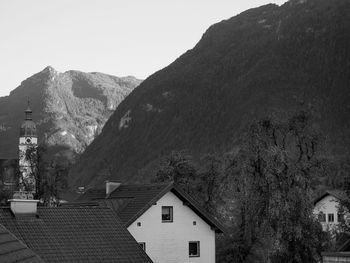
(330, 217)
(341, 218)
(167, 214)
(322, 217)
(138, 223)
(143, 245)
(193, 249)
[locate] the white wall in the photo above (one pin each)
(328, 205)
(168, 242)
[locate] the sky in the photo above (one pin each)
(117, 37)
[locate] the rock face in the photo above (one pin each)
(69, 108)
(265, 59)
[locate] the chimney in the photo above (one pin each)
(23, 203)
(111, 186)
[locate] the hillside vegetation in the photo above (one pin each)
(264, 60)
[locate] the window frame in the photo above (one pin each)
(143, 245)
(198, 249)
(171, 210)
(329, 216)
(341, 217)
(321, 217)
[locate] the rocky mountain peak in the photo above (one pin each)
(70, 108)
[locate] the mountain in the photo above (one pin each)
(267, 59)
(69, 108)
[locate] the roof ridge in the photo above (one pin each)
(74, 206)
(148, 184)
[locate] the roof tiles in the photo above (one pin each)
(75, 234)
(13, 250)
(131, 201)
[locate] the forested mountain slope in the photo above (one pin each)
(263, 60)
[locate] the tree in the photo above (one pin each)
(204, 181)
(9, 175)
(50, 175)
(211, 182)
(341, 233)
(272, 178)
(179, 168)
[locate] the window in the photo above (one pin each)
(322, 217)
(143, 245)
(167, 214)
(194, 223)
(138, 223)
(330, 217)
(193, 249)
(341, 218)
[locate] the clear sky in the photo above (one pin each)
(118, 37)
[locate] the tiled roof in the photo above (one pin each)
(345, 247)
(339, 194)
(13, 250)
(75, 234)
(92, 194)
(131, 201)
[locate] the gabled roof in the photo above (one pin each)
(13, 250)
(340, 195)
(75, 234)
(131, 201)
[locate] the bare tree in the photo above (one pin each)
(50, 175)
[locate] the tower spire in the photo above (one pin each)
(28, 111)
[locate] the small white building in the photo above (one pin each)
(169, 225)
(326, 208)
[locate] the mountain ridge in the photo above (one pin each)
(264, 60)
(69, 108)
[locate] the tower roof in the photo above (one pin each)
(28, 112)
(28, 127)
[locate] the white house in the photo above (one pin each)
(167, 222)
(326, 208)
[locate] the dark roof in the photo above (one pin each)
(75, 234)
(341, 195)
(337, 255)
(13, 250)
(131, 201)
(92, 194)
(342, 252)
(345, 247)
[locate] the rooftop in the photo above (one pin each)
(131, 201)
(74, 234)
(13, 250)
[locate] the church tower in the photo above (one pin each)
(28, 140)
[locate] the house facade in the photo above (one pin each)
(326, 208)
(167, 223)
(170, 231)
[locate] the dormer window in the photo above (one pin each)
(322, 217)
(167, 214)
